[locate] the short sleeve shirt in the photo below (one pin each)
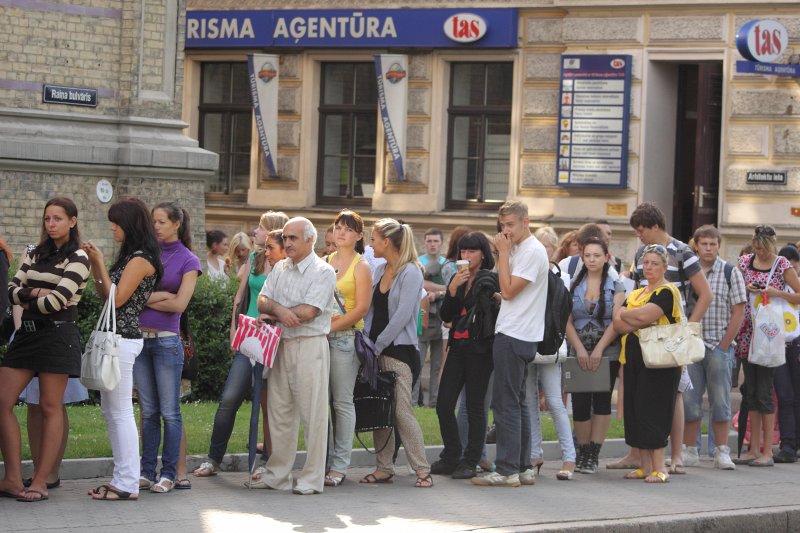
(522, 317)
(723, 298)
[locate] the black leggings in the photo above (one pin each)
(584, 404)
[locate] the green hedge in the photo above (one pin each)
(209, 319)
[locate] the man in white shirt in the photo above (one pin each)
(522, 267)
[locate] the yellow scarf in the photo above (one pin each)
(639, 298)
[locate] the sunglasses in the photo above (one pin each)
(769, 231)
(657, 248)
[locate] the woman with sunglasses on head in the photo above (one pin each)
(268, 251)
(649, 393)
(48, 286)
(136, 272)
(352, 297)
(238, 252)
(765, 272)
(158, 368)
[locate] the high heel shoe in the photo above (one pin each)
(537, 465)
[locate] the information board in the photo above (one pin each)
(593, 121)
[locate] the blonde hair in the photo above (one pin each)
(402, 238)
(272, 220)
(547, 235)
(237, 240)
(514, 207)
(765, 237)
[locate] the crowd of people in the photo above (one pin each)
(478, 313)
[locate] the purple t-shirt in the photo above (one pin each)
(177, 260)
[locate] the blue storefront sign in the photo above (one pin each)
(593, 121)
(383, 28)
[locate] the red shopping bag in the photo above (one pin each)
(259, 343)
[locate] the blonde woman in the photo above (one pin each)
(549, 239)
(239, 251)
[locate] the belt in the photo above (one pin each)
(39, 324)
(158, 334)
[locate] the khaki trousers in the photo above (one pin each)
(298, 392)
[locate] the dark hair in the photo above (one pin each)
(476, 240)
(213, 237)
(589, 232)
(178, 214)
(135, 220)
(47, 251)
(434, 231)
(352, 220)
(277, 236)
(648, 215)
(452, 245)
(790, 252)
(707, 231)
(601, 303)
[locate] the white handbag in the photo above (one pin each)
(551, 359)
(100, 361)
(672, 345)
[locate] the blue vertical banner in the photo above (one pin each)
(264, 91)
(391, 70)
(593, 121)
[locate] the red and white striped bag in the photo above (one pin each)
(259, 343)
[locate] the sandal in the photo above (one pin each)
(50, 485)
(334, 481)
(102, 492)
(636, 474)
(206, 469)
(676, 469)
(41, 496)
(373, 479)
(163, 486)
(145, 483)
(564, 475)
(657, 477)
(183, 483)
(424, 482)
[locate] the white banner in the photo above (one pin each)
(391, 71)
(264, 91)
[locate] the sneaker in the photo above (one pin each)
(440, 468)
(497, 480)
(528, 477)
(463, 471)
(689, 456)
(786, 456)
(722, 458)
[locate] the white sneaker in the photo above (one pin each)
(528, 477)
(689, 456)
(493, 479)
(722, 458)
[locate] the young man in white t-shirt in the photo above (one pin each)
(522, 266)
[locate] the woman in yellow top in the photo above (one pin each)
(353, 293)
(649, 393)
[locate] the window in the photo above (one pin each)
(348, 125)
(226, 125)
(479, 133)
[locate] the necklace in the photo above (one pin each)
(165, 261)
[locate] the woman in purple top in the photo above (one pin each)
(157, 373)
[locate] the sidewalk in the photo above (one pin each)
(708, 500)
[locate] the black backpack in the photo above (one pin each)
(557, 311)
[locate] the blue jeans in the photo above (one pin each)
(511, 415)
(157, 376)
(240, 379)
(712, 373)
(343, 373)
(550, 378)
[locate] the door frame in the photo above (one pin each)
(658, 124)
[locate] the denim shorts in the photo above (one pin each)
(712, 373)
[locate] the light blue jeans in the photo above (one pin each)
(549, 377)
(344, 369)
(157, 377)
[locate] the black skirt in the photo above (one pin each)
(53, 350)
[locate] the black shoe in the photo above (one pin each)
(440, 468)
(491, 435)
(786, 456)
(463, 471)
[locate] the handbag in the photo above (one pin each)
(100, 360)
(190, 363)
(672, 345)
(375, 407)
(259, 343)
(366, 352)
(768, 344)
(559, 357)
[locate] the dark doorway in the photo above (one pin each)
(697, 147)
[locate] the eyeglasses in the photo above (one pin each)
(657, 248)
(769, 231)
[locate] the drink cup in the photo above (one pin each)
(462, 264)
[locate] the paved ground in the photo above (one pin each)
(749, 499)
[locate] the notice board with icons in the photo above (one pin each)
(593, 121)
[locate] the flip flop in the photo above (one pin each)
(54, 485)
(660, 477)
(373, 479)
(676, 469)
(183, 484)
(424, 482)
(42, 496)
(636, 474)
(104, 490)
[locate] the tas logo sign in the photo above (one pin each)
(465, 28)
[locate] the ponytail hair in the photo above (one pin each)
(178, 214)
(402, 238)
